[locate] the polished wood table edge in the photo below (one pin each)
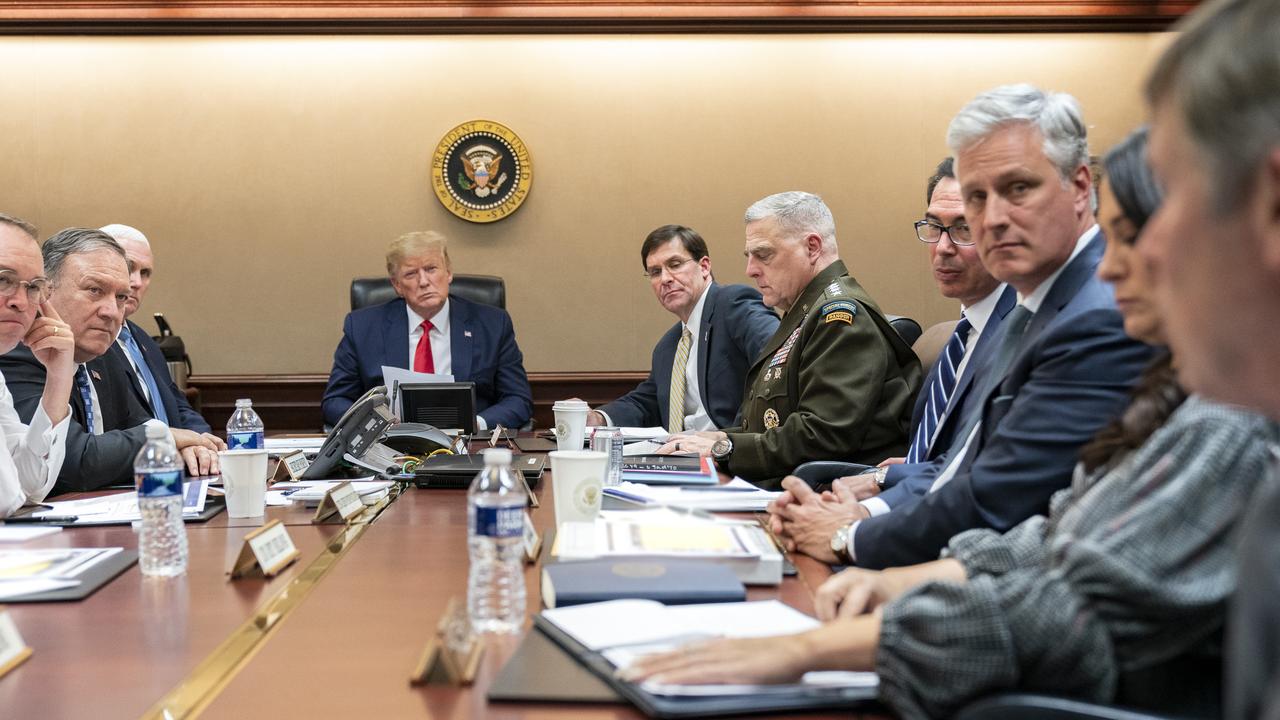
(220, 667)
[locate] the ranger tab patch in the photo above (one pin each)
(839, 311)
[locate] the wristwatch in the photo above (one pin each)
(879, 474)
(721, 449)
(840, 545)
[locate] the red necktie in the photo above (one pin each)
(422, 360)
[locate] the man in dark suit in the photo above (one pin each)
(1214, 247)
(984, 302)
(149, 377)
(727, 327)
(428, 330)
(90, 280)
(1061, 364)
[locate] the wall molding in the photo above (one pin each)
(291, 403)
(582, 16)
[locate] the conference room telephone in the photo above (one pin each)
(368, 432)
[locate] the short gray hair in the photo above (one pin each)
(125, 232)
(797, 213)
(73, 241)
(1055, 115)
(1222, 75)
(19, 223)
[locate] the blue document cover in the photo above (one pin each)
(671, 582)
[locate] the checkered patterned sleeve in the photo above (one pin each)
(1134, 572)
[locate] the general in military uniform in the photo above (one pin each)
(835, 382)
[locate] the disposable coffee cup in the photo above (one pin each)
(244, 480)
(571, 423)
(577, 479)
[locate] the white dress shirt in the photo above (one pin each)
(696, 416)
(441, 345)
(32, 455)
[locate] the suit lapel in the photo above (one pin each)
(395, 335)
(135, 382)
(460, 339)
(1008, 299)
(1076, 274)
(704, 342)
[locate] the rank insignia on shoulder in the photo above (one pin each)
(770, 419)
(834, 288)
(839, 311)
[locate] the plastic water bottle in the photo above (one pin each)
(244, 429)
(495, 533)
(162, 542)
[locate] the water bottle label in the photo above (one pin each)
(499, 522)
(251, 440)
(160, 484)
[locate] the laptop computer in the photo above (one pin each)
(457, 471)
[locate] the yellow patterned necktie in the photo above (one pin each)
(675, 422)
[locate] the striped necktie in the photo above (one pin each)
(675, 410)
(940, 392)
(82, 383)
(144, 373)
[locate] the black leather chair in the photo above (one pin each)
(909, 330)
(1031, 706)
(484, 289)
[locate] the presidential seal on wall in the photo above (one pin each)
(481, 171)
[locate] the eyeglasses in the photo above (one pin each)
(37, 289)
(672, 266)
(931, 232)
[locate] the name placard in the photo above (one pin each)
(267, 550)
(341, 502)
(452, 655)
(295, 463)
(532, 542)
(13, 649)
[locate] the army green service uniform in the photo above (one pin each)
(835, 382)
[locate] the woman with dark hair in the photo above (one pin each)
(1117, 596)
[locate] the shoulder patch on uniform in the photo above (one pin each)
(839, 311)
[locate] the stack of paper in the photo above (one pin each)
(624, 630)
(737, 495)
(745, 548)
(311, 492)
(25, 572)
(669, 470)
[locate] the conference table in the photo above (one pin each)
(335, 634)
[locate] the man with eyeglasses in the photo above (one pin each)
(835, 381)
(1060, 365)
(89, 278)
(696, 376)
(31, 454)
(984, 302)
(149, 378)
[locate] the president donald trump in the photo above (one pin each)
(428, 330)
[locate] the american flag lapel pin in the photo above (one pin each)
(466, 333)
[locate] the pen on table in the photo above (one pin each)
(42, 519)
(611, 492)
(719, 488)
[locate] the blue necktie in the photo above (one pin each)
(82, 382)
(144, 371)
(940, 391)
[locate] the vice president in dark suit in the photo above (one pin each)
(695, 382)
(428, 330)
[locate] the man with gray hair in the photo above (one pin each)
(835, 381)
(1214, 248)
(1060, 366)
(90, 283)
(149, 378)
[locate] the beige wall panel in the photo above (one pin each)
(270, 171)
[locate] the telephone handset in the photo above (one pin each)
(358, 430)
